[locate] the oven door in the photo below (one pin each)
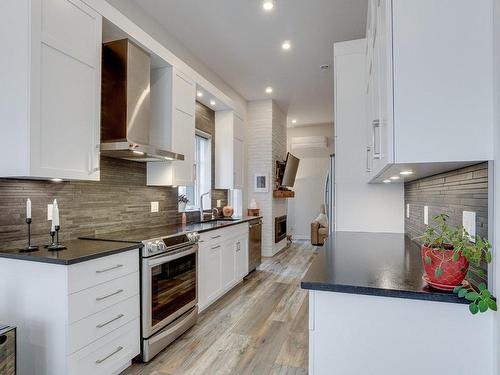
(169, 288)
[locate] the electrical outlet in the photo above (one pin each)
(50, 207)
(154, 206)
(407, 210)
(426, 215)
(469, 224)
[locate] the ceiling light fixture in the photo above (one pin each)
(394, 178)
(268, 5)
(199, 94)
(269, 90)
(406, 173)
(387, 181)
(286, 45)
(212, 103)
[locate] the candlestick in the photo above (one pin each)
(55, 245)
(30, 247)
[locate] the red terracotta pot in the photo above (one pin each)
(453, 272)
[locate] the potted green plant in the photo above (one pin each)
(447, 253)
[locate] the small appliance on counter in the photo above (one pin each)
(7, 350)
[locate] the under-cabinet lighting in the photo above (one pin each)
(387, 181)
(199, 94)
(268, 5)
(138, 152)
(405, 173)
(56, 179)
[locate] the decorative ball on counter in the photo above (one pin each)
(227, 211)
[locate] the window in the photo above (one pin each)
(236, 201)
(202, 174)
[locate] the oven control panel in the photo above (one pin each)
(172, 243)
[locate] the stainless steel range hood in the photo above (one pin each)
(125, 104)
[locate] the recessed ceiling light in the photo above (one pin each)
(199, 94)
(387, 181)
(394, 178)
(212, 102)
(56, 179)
(405, 173)
(286, 45)
(269, 89)
(294, 121)
(268, 5)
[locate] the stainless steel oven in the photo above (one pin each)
(169, 295)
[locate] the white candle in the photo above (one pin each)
(28, 209)
(55, 214)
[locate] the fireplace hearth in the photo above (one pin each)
(279, 228)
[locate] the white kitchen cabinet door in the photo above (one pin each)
(228, 264)
(210, 273)
(183, 135)
(241, 257)
(61, 89)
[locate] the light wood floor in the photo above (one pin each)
(260, 327)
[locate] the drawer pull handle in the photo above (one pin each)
(109, 321)
(215, 247)
(213, 238)
(109, 269)
(99, 361)
(109, 295)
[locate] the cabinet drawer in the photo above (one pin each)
(92, 300)
(95, 326)
(110, 354)
(87, 274)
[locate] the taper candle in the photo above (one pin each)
(28, 209)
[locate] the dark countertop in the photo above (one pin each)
(77, 251)
(377, 264)
(140, 234)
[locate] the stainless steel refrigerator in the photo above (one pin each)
(330, 195)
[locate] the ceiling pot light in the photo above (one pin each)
(286, 45)
(212, 103)
(269, 90)
(199, 94)
(394, 178)
(387, 181)
(268, 5)
(405, 173)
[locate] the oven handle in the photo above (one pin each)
(163, 258)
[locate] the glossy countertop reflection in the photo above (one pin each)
(378, 264)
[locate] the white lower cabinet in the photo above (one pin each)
(223, 262)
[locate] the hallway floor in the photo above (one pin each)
(260, 327)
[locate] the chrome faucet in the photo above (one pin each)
(201, 204)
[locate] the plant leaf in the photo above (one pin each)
(428, 260)
(462, 293)
(438, 272)
(482, 286)
(457, 288)
(471, 296)
(483, 306)
(486, 293)
(488, 256)
(473, 308)
(492, 305)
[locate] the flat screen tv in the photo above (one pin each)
(290, 171)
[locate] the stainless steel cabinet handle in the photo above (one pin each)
(368, 150)
(99, 361)
(109, 269)
(215, 247)
(376, 139)
(213, 238)
(109, 321)
(109, 295)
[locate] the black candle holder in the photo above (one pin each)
(30, 247)
(55, 245)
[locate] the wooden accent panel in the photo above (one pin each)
(283, 194)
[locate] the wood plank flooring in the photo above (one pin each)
(260, 327)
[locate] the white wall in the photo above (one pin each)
(310, 181)
(359, 206)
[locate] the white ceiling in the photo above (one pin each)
(242, 44)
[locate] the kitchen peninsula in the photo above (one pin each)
(366, 290)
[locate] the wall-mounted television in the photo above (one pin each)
(287, 171)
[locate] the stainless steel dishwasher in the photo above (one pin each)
(254, 244)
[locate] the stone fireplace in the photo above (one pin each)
(279, 228)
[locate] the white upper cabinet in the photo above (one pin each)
(229, 150)
(429, 84)
(50, 96)
(173, 101)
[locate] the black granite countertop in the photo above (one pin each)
(140, 234)
(377, 264)
(77, 251)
